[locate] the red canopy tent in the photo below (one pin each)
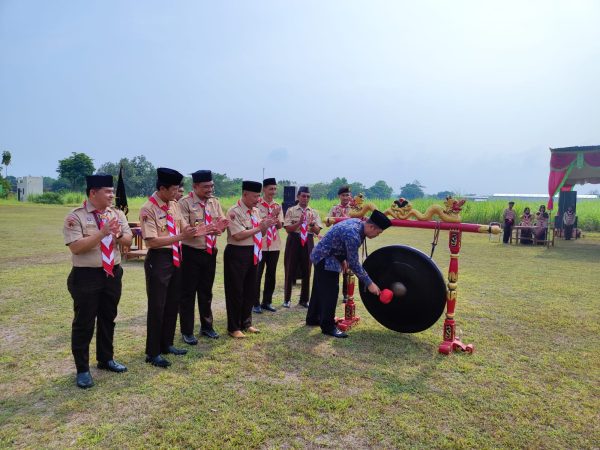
(570, 166)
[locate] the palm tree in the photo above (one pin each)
(6, 161)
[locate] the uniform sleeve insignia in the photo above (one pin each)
(70, 220)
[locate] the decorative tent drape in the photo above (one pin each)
(570, 166)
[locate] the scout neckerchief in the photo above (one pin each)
(257, 238)
(303, 229)
(211, 240)
(272, 230)
(171, 227)
(107, 244)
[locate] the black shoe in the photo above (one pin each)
(257, 310)
(335, 333)
(158, 361)
(189, 339)
(172, 350)
(112, 366)
(84, 380)
(286, 304)
(304, 305)
(210, 334)
(268, 307)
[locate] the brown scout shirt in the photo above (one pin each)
(294, 213)
(81, 223)
(193, 213)
(264, 212)
(239, 220)
(339, 211)
(153, 220)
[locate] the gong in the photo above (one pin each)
(425, 298)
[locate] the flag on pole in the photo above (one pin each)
(121, 201)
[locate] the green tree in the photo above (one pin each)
(4, 187)
(6, 157)
(139, 175)
(443, 194)
(412, 190)
(379, 190)
(357, 187)
(75, 168)
(319, 190)
(225, 186)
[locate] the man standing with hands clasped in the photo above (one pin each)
(337, 249)
(271, 246)
(163, 229)
(241, 258)
(200, 256)
(92, 233)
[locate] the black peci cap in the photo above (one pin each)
(252, 186)
(169, 177)
(343, 190)
(302, 189)
(269, 182)
(99, 181)
(380, 219)
(200, 176)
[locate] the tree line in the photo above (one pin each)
(139, 176)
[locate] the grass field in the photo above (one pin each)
(534, 381)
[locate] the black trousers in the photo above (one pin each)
(269, 260)
(95, 300)
(163, 287)
(568, 232)
(297, 258)
(508, 226)
(198, 275)
(323, 298)
(240, 285)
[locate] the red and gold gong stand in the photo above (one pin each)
(350, 318)
(449, 215)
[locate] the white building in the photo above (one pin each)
(29, 185)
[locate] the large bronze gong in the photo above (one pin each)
(425, 298)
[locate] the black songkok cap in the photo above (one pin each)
(99, 181)
(269, 182)
(343, 190)
(302, 189)
(380, 219)
(252, 186)
(169, 177)
(201, 175)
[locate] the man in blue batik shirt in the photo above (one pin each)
(340, 246)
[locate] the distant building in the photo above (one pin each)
(29, 185)
(536, 197)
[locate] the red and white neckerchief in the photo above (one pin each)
(303, 229)
(272, 230)
(172, 228)
(211, 239)
(107, 244)
(257, 238)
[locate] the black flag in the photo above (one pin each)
(121, 195)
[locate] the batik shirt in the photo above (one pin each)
(342, 243)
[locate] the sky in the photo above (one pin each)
(466, 96)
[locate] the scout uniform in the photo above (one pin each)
(95, 286)
(240, 261)
(271, 247)
(163, 274)
(199, 261)
(509, 217)
(568, 222)
(298, 249)
(342, 211)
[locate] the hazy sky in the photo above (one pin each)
(461, 95)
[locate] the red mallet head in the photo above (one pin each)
(399, 289)
(386, 296)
